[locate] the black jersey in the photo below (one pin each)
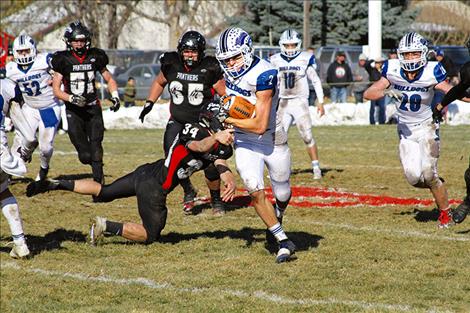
(462, 89)
(182, 162)
(79, 72)
(189, 89)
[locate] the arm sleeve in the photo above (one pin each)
(316, 82)
(458, 91)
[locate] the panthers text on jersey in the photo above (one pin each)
(191, 88)
(292, 75)
(181, 162)
(415, 106)
(260, 76)
(34, 81)
(79, 72)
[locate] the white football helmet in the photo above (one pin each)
(24, 42)
(290, 36)
(412, 42)
(233, 42)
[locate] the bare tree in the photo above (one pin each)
(105, 18)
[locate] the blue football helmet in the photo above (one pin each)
(234, 42)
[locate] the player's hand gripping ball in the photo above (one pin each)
(238, 107)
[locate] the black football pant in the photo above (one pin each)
(172, 130)
(151, 199)
(86, 129)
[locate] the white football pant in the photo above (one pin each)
(297, 110)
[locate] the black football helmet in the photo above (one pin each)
(76, 31)
(192, 40)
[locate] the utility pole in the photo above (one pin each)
(306, 35)
(375, 29)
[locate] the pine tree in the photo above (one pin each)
(331, 21)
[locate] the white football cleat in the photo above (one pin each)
(317, 173)
(98, 226)
(19, 251)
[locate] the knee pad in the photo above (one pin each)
(211, 173)
(414, 179)
(84, 157)
(305, 130)
(431, 179)
(252, 184)
(281, 190)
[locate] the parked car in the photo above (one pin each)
(144, 74)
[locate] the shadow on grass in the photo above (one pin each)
(238, 202)
(325, 170)
(51, 241)
(422, 216)
(302, 240)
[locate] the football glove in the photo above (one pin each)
(77, 100)
(222, 115)
(146, 110)
(437, 115)
(394, 94)
(116, 104)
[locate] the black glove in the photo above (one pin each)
(116, 104)
(77, 100)
(146, 110)
(437, 115)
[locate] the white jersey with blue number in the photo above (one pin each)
(34, 82)
(292, 75)
(415, 106)
(261, 76)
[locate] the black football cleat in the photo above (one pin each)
(460, 213)
(42, 186)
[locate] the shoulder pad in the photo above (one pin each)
(169, 58)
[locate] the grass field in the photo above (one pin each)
(363, 257)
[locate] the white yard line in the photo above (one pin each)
(261, 295)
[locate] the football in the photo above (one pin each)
(238, 107)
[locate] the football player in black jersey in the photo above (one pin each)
(75, 69)
(197, 146)
(192, 79)
(459, 91)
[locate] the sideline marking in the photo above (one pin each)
(259, 294)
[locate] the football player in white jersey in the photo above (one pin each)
(10, 165)
(256, 80)
(412, 80)
(41, 111)
(294, 67)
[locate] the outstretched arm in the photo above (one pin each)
(376, 91)
(227, 178)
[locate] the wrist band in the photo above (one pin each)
(222, 168)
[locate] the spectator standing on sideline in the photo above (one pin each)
(374, 68)
(129, 93)
(339, 76)
(393, 54)
(361, 79)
